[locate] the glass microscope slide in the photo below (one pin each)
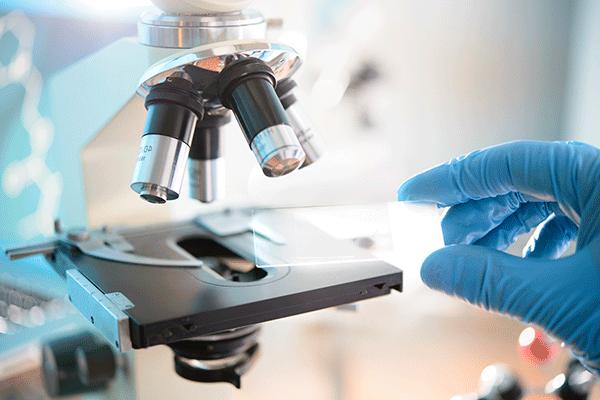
(402, 234)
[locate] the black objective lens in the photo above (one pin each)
(174, 108)
(246, 86)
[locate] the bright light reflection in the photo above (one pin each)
(115, 4)
(328, 93)
(527, 337)
(555, 383)
(489, 373)
(296, 40)
(470, 396)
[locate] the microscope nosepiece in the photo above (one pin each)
(174, 108)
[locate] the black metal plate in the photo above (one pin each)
(172, 304)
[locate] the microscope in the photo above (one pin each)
(201, 286)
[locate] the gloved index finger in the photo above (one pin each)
(538, 170)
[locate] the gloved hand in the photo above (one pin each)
(499, 193)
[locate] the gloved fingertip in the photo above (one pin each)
(435, 271)
(404, 191)
(471, 273)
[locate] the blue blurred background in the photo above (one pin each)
(35, 44)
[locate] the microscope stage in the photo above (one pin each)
(183, 280)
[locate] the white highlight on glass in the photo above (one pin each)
(416, 231)
(362, 233)
(297, 41)
(107, 5)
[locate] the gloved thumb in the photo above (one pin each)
(527, 288)
(479, 275)
(561, 296)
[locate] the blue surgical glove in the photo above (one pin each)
(499, 193)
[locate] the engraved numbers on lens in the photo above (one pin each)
(143, 150)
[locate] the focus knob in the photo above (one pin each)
(76, 364)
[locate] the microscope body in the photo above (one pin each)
(203, 294)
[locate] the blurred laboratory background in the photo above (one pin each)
(394, 87)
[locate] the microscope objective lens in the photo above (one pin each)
(153, 194)
(174, 109)
(246, 86)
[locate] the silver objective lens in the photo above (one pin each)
(277, 150)
(162, 161)
(206, 179)
(311, 141)
(174, 108)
